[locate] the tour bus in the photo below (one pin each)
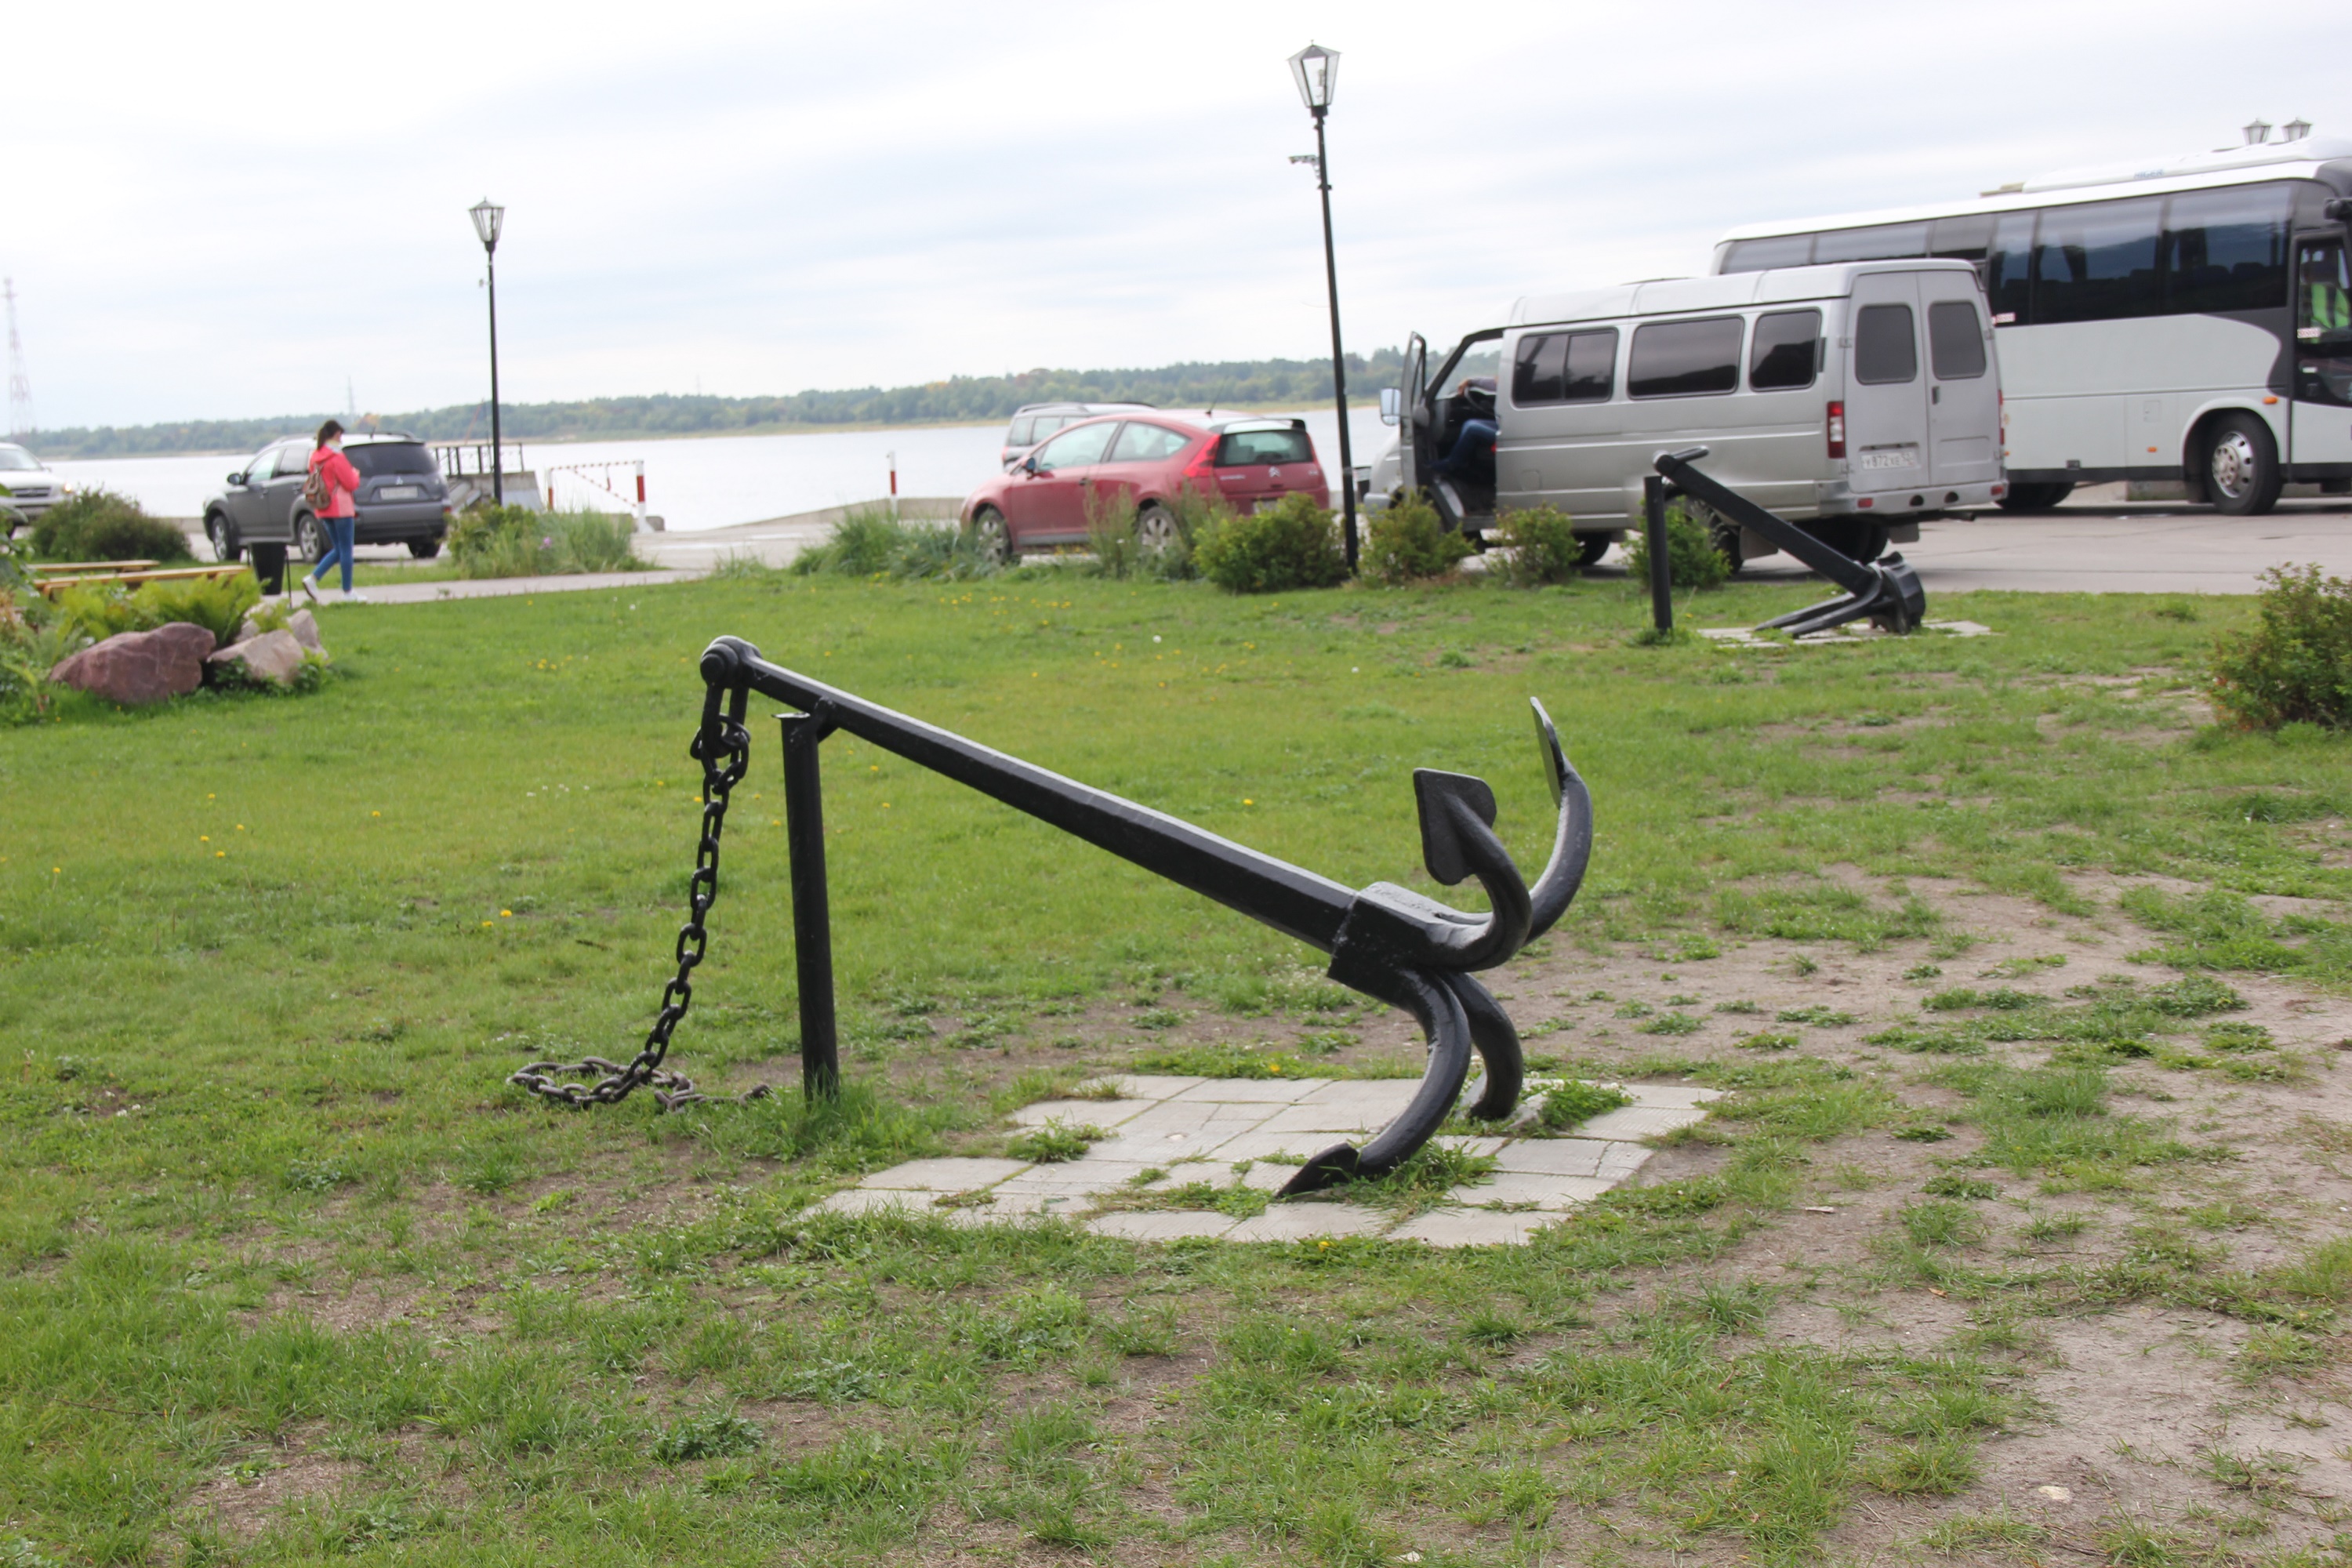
(1856, 398)
(2189, 321)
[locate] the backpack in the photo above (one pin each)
(315, 488)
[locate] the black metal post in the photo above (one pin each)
(497, 460)
(811, 914)
(1662, 578)
(1338, 356)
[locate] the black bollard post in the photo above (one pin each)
(811, 913)
(1661, 580)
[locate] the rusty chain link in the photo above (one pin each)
(723, 746)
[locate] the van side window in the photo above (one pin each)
(2097, 262)
(1783, 353)
(1780, 250)
(1686, 359)
(1565, 367)
(1955, 341)
(1591, 366)
(1536, 377)
(1885, 349)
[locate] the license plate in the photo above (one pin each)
(1899, 458)
(400, 492)
(1263, 502)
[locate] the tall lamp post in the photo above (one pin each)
(488, 220)
(1316, 69)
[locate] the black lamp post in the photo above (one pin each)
(1316, 69)
(488, 221)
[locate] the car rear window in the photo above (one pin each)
(380, 457)
(1685, 359)
(1248, 448)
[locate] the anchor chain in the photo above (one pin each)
(723, 746)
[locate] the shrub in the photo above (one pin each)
(870, 543)
(1539, 546)
(515, 542)
(2295, 665)
(217, 604)
(1409, 541)
(1691, 559)
(1275, 549)
(99, 525)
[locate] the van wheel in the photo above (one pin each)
(2242, 468)
(1156, 529)
(1591, 547)
(989, 533)
(1863, 542)
(225, 545)
(2034, 497)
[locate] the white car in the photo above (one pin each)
(26, 485)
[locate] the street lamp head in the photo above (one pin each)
(2295, 130)
(1317, 71)
(488, 220)
(2258, 131)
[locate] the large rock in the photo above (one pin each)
(273, 656)
(140, 667)
(304, 626)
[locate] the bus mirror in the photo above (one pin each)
(1391, 405)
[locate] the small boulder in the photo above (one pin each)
(135, 667)
(304, 626)
(273, 656)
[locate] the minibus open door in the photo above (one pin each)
(1413, 418)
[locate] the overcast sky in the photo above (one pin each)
(228, 210)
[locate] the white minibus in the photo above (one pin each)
(2187, 320)
(1854, 398)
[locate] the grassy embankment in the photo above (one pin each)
(291, 1273)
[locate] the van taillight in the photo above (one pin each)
(1837, 429)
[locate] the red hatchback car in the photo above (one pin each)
(1047, 499)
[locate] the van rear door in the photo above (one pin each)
(1963, 390)
(1886, 390)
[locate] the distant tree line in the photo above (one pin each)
(1236, 384)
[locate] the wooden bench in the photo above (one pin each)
(48, 580)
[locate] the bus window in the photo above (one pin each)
(1782, 250)
(2097, 262)
(1961, 238)
(1955, 341)
(2323, 323)
(2008, 269)
(1884, 243)
(1784, 352)
(2226, 250)
(1885, 349)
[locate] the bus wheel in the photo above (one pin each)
(2034, 497)
(2241, 466)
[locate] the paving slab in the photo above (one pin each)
(1555, 1156)
(1300, 1146)
(1081, 1113)
(868, 1200)
(1642, 1121)
(1304, 1222)
(1471, 1227)
(1251, 1090)
(1163, 1226)
(945, 1176)
(1546, 1191)
(1149, 1086)
(1668, 1093)
(1340, 1120)
(1072, 1176)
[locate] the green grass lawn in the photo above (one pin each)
(292, 1274)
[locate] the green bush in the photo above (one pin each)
(99, 525)
(1275, 549)
(515, 542)
(870, 543)
(217, 604)
(2295, 665)
(1538, 545)
(1691, 559)
(1409, 541)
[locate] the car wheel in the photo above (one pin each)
(425, 549)
(310, 539)
(2034, 497)
(1155, 528)
(990, 534)
(2242, 468)
(1591, 548)
(225, 545)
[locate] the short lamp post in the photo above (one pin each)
(1316, 69)
(488, 220)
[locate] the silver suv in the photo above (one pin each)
(402, 499)
(1033, 422)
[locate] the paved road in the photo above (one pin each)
(2095, 543)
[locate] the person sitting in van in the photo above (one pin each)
(1479, 430)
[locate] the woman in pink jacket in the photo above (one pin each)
(339, 516)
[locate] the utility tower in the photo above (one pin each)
(20, 389)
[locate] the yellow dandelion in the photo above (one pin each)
(505, 914)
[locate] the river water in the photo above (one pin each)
(719, 480)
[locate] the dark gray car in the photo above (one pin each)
(402, 499)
